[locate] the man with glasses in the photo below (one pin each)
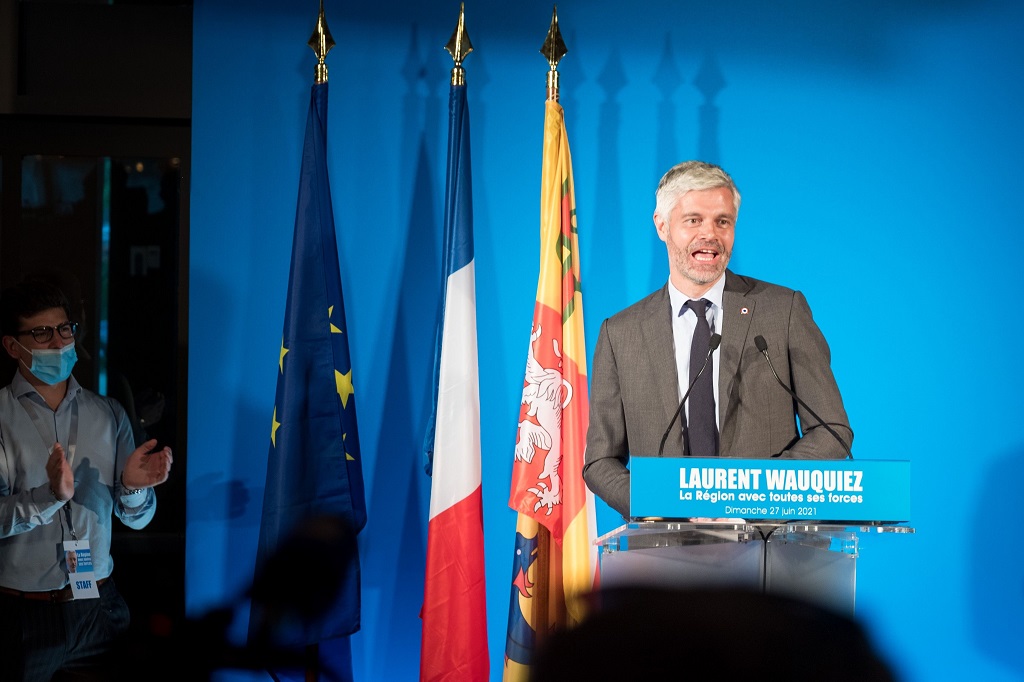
(67, 464)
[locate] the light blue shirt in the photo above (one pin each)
(682, 336)
(97, 437)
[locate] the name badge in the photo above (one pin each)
(78, 563)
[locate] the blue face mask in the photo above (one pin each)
(52, 365)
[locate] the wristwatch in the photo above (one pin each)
(125, 490)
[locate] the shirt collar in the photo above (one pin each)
(20, 387)
(714, 294)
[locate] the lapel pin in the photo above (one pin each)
(744, 311)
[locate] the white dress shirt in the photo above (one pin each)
(682, 336)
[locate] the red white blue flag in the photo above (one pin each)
(454, 645)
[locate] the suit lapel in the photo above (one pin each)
(660, 348)
(737, 311)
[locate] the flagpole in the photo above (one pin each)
(554, 558)
(553, 50)
(454, 613)
(321, 41)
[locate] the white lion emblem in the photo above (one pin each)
(545, 395)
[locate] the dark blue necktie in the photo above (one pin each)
(702, 431)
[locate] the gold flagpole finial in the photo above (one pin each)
(459, 47)
(553, 50)
(321, 41)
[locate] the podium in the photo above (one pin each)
(694, 542)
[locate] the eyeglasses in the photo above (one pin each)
(67, 330)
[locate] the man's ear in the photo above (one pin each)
(661, 226)
(9, 346)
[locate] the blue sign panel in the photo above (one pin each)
(770, 489)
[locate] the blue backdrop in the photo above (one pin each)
(877, 146)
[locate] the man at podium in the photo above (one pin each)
(716, 339)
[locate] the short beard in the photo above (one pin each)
(703, 275)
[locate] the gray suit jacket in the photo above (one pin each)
(634, 392)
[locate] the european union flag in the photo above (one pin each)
(314, 467)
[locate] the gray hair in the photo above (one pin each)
(691, 175)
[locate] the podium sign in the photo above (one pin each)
(869, 491)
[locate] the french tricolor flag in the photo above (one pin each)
(454, 645)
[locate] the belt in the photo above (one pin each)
(53, 596)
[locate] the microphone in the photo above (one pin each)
(713, 343)
(762, 346)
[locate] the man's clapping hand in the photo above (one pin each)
(62, 480)
(145, 469)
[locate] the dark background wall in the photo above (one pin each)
(95, 147)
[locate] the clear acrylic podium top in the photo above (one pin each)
(654, 533)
